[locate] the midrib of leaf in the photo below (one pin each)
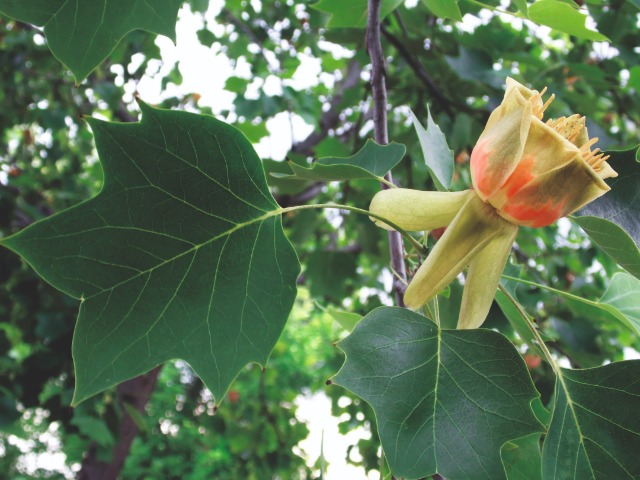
(435, 394)
(195, 248)
(570, 404)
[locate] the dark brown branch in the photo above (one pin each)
(379, 93)
(135, 393)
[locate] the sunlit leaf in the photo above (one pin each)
(446, 401)
(563, 17)
(595, 425)
(352, 13)
(437, 154)
(82, 33)
(181, 255)
(445, 9)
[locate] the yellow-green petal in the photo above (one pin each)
(472, 229)
(485, 270)
(416, 210)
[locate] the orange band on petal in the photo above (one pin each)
(522, 175)
(534, 216)
(482, 179)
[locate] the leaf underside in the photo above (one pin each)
(82, 33)
(181, 255)
(446, 401)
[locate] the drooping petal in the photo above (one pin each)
(472, 229)
(416, 210)
(501, 144)
(483, 276)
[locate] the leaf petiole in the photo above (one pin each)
(416, 244)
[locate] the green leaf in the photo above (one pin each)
(622, 300)
(522, 6)
(563, 17)
(595, 424)
(437, 154)
(82, 33)
(522, 458)
(346, 320)
(352, 13)
(613, 241)
(181, 255)
(446, 401)
(445, 9)
(622, 204)
(373, 161)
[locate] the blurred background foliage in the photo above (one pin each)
(457, 70)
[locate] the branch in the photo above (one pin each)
(381, 135)
(135, 393)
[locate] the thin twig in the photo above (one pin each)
(379, 93)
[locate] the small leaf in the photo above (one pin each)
(81, 34)
(352, 13)
(437, 154)
(563, 17)
(446, 401)
(181, 255)
(613, 241)
(522, 6)
(522, 458)
(373, 161)
(622, 204)
(595, 425)
(347, 320)
(622, 300)
(445, 9)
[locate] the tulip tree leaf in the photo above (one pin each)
(181, 254)
(372, 161)
(82, 33)
(445, 9)
(621, 205)
(595, 424)
(437, 154)
(446, 401)
(564, 18)
(352, 13)
(613, 240)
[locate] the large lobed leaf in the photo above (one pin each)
(446, 401)
(181, 255)
(82, 33)
(595, 427)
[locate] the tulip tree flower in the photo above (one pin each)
(525, 172)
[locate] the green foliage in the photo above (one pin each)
(438, 392)
(582, 305)
(373, 161)
(187, 197)
(437, 154)
(593, 432)
(81, 35)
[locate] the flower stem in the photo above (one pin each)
(534, 331)
(416, 244)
